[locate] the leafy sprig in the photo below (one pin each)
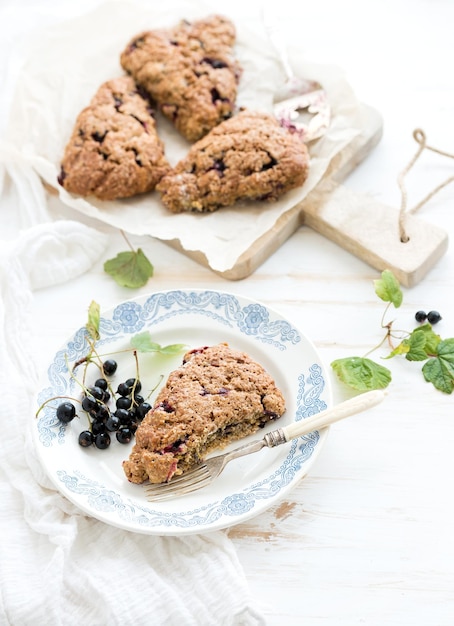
(131, 268)
(420, 344)
(143, 342)
(140, 343)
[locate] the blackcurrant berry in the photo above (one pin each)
(101, 383)
(420, 316)
(138, 399)
(102, 413)
(124, 435)
(89, 404)
(66, 411)
(113, 423)
(433, 317)
(123, 402)
(102, 441)
(86, 439)
(98, 427)
(124, 389)
(142, 410)
(133, 381)
(109, 367)
(123, 415)
(95, 392)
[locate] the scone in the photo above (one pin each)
(216, 396)
(248, 157)
(189, 70)
(114, 150)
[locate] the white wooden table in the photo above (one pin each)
(367, 536)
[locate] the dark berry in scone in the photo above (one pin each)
(114, 150)
(248, 157)
(189, 70)
(216, 396)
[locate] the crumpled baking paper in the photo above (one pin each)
(65, 64)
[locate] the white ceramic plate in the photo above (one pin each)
(94, 480)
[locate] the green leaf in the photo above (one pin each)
(173, 348)
(423, 343)
(92, 324)
(432, 339)
(130, 269)
(361, 374)
(142, 342)
(388, 289)
(402, 348)
(417, 344)
(439, 370)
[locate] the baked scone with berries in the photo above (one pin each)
(189, 70)
(216, 396)
(248, 157)
(114, 150)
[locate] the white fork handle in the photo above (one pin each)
(355, 405)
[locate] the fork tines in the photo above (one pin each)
(190, 481)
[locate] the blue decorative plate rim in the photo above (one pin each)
(247, 318)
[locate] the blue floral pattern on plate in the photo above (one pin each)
(245, 318)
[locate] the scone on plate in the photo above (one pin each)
(114, 151)
(216, 396)
(248, 157)
(190, 71)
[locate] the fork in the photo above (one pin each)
(207, 471)
(296, 95)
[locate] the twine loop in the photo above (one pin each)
(420, 137)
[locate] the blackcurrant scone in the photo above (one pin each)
(248, 157)
(114, 151)
(216, 396)
(189, 70)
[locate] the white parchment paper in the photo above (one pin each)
(65, 64)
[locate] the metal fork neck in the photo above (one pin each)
(275, 438)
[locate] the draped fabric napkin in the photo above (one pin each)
(59, 567)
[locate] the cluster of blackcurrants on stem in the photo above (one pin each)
(122, 419)
(433, 317)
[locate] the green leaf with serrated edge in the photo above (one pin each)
(130, 269)
(439, 370)
(388, 289)
(94, 317)
(417, 347)
(435, 373)
(173, 348)
(423, 344)
(432, 339)
(402, 348)
(142, 342)
(361, 373)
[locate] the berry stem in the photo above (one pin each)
(127, 240)
(156, 386)
(52, 399)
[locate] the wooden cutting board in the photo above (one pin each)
(366, 228)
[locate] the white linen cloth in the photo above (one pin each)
(59, 567)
